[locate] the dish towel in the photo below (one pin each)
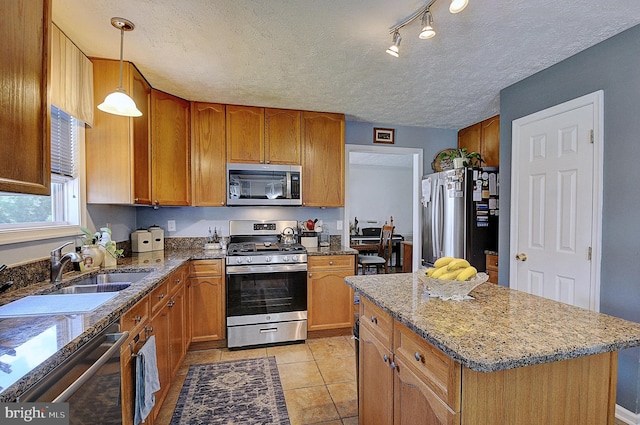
(147, 381)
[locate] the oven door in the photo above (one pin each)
(266, 290)
(266, 304)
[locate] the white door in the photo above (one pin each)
(555, 221)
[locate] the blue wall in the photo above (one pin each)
(614, 67)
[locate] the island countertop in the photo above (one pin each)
(499, 328)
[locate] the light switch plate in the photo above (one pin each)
(339, 225)
(171, 225)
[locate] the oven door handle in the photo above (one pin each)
(267, 268)
(89, 373)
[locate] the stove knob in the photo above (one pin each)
(249, 259)
(294, 258)
(267, 259)
(239, 260)
(286, 258)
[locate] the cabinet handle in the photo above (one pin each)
(171, 303)
(136, 200)
(385, 358)
(137, 319)
(374, 320)
(147, 331)
(177, 280)
(496, 264)
(417, 356)
(392, 365)
(161, 296)
(331, 263)
(310, 274)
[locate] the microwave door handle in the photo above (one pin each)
(288, 194)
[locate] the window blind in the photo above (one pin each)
(63, 143)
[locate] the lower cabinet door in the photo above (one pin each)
(376, 381)
(414, 402)
(160, 325)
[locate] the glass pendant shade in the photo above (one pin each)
(458, 5)
(118, 103)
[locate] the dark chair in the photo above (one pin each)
(384, 251)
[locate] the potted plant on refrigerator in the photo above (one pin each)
(462, 158)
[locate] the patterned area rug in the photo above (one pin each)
(243, 392)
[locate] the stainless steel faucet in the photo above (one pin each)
(58, 262)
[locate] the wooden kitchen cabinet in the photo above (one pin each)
(245, 134)
(492, 267)
(206, 303)
(322, 159)
(483, 137)
(329, 300)
(25, 139)
(282, 139)
(421, 384)
(375, 380)
(118, 149)
(128, 373)
(170, 150)
(71, 78)
(407, 256)
(208, 154)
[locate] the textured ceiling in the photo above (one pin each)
(329, 55)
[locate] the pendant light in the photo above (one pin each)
(118, 102)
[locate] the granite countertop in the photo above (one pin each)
(30, 347)
(499, 328)
(331, 250)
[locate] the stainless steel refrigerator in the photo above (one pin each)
(460, 216)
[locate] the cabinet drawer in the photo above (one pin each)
(331, 261)
(493, 276)
(206, 268)
(159, 296)
(176, 280)
(377, 321)
(440, 372)
(492, 262)
(135, 316)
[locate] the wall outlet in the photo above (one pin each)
(339, 225)
(171, 225)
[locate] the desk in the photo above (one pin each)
(370, 244)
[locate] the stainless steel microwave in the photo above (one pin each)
(264, 184)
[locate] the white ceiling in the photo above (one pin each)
(329, 55)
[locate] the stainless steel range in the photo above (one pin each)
(266, 284)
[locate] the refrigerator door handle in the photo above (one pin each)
(436, 220)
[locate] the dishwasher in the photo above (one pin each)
(89, 381)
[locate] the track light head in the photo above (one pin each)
(458, 5)
(427, 26)
(394, 49)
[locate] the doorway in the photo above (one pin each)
(374, 157)
(556, 212)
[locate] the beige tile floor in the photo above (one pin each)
(318, 379)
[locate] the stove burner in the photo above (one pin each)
(252, 248)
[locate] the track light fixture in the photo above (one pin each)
(427, 26)
(118, 103)
(394, 49)
(427, 23)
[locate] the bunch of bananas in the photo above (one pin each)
(450, 268)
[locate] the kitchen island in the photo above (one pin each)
(503, 357)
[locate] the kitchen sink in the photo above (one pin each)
(104, 282)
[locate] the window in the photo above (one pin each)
(26, 214)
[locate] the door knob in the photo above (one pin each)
(521, 257)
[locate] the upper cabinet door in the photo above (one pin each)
(245, 134)
(282, 136)
(118, 149)
(170, 150)
(208, 158)
(491, 141)
(322, 159)
(25, 159)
